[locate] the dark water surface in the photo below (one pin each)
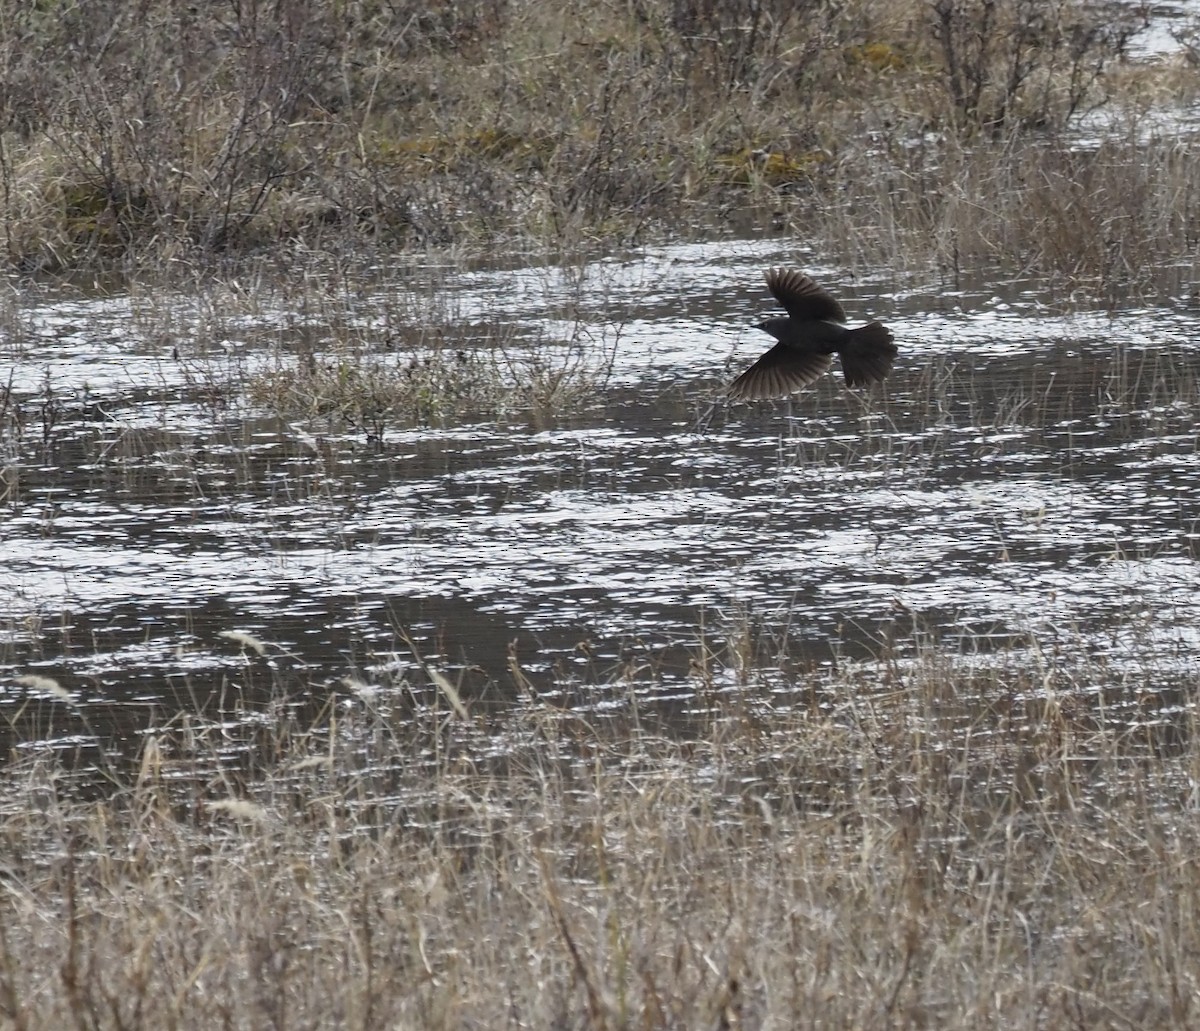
(1028, 478)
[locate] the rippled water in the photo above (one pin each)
(1164, 25)
(1028, 476)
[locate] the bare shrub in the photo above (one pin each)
(1026, 59)
(149, 130)
(725, 44)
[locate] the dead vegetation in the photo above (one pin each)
(908, 842)
(211, 130)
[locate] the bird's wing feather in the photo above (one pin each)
(802, 298)
(779, 372)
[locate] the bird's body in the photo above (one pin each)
(811, 333)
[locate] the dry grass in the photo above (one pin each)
(430, 375)
(187, 135)
(927, 842)
(352, 350)
(1113, 220)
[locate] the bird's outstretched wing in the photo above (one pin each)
(779, 372)
(801, 297)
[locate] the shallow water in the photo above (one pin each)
(1162, 26)
(1026, 479)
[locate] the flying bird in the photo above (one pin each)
(809, 336)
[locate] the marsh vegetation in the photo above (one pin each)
(138, 133)
(401, 630)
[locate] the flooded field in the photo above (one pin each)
(1024, 484)
(396, 636)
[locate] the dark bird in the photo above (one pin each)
(811, 334)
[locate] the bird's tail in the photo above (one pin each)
(867, 354)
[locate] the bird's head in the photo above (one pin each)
(775, 327)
